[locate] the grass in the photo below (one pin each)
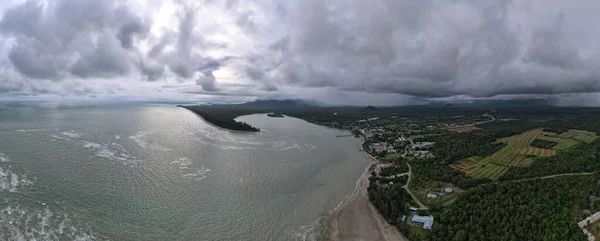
(390, 157)
(584, 136)
(421, 186)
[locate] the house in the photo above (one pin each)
(412, 209)
(403, 218)
(448, 190)
(379, 147)
(420, 145)
(427, 221)
(432, 195)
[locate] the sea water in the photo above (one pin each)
(154, 172)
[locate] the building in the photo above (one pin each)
(432, 195)
(420, 145)
(390, 149)
(448, 190)
(427, 221)
(379, 147)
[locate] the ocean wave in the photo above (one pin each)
(11, 181)
(282, 146)
(184, 165)
(198, 175)
(18, 223)
(71, 134)
(34, 130)
(4, 157)
(112, 151)
(222, 146)
(141, 140)
(310, 232)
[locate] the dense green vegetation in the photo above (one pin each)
(452, 147)
(222, 119)
(531, 210)
(391, 201)
(440, 171)
(543, 143)
(393, 170)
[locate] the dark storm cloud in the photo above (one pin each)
(442, 48)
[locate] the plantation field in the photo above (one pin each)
(514, 154)
(518, 152)
(563, 143)
(579, 135)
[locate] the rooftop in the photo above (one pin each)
(427, 221)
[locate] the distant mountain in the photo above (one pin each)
(368, 109)
(491, 103)
(272, 104)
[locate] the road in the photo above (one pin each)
(407, 187)
(550, 176)
(487, 114)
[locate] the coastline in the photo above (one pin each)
(221, 128)
(357, 219)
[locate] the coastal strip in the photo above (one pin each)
(207, 120)
(357, 219)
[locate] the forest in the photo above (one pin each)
(452, 147)
(543, 143)
(391, 201)
(527, 210)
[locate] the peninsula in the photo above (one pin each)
(221, 119)
(275, 115)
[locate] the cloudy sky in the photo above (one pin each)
(335, 51)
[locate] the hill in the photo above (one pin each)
(368, 109)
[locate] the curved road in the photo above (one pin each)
(421, 205)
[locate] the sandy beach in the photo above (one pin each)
(358, 220)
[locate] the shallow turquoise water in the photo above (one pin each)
(161, 173)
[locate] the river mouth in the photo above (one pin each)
(157, 172)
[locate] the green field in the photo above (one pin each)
(513, 154)
(518, 151)
(579, 135)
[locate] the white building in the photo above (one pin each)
(448, 190)
(432, 195)
(427, 221)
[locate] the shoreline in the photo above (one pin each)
(357, 219)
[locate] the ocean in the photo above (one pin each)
(156, 172)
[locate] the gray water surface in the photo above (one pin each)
(162, 173)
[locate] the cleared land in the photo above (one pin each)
(518, 152)
(462, 129)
